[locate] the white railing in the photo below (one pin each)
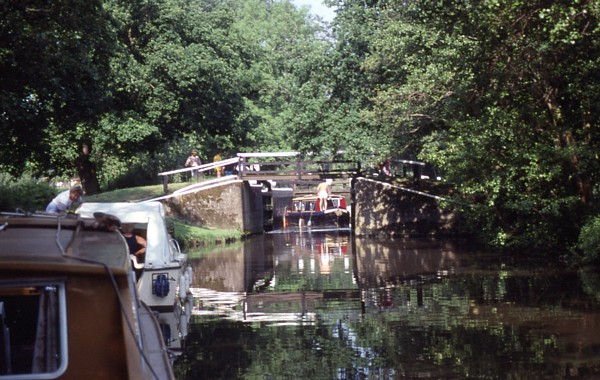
(198, 169)
(261, 166)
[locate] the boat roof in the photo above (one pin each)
(60, 243)
(313, 197)
(159, 251)
(127, 212)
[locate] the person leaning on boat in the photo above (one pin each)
(323, 193)
(136, 243)
(63, 201)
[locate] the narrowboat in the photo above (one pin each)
(165, 275)
(69, 306)
(308, 211)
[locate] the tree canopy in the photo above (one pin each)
(501, 95)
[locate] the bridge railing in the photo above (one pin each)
(293, 166)
(301, 172)
(199, 169)
(277, 166)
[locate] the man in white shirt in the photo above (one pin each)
(63, 201)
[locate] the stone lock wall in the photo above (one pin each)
(381, 208)
(234, 206)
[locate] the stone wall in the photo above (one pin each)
(381, 208)
(233, 206)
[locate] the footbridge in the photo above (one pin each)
(294, 170)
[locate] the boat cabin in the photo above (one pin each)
(303, 204)
(69, 307)
(307, 211)
(165, 275)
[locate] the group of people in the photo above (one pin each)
(323, 189)
(72, 197)
(194, 160)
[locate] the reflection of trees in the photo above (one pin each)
(590, 281)
(418, 313)
(457, 327)
(378, 262)
(484, 326)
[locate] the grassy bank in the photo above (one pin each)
(189, 236)
(194, 237)
(133, 194)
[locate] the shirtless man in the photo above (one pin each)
(324, 192)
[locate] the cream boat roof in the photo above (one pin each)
(50, 244)
(160, 251)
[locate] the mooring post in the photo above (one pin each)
(242, 167)
(299, 167)
(352, 204)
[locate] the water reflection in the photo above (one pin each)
(251, 283)
(322, 305)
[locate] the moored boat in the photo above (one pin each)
(69, 307)
(165, 275)
(308, 211)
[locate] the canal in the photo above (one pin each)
(323, 305)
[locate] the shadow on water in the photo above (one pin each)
(323, 305)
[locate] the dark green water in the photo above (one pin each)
(324, 306)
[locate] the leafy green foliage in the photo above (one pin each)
(589, 241)
(54, 71)
(501, 95)
(24, 193)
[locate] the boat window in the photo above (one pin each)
(32, 330)
(298, 206)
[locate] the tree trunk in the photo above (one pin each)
(567, 141)
(582, 182)
(87, 170)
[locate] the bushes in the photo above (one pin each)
(24, 193)
(589, 241)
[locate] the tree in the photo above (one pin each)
(53, 70)
(177, 74)
(350, 99)
(499, 95)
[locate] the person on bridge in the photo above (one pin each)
(193, 161)
(323, 193)
(385, 168)
(218, 169)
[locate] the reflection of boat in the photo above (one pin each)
(307, 211)
(332, 246)
(69, 306)
(165, 274)
(170, 325)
